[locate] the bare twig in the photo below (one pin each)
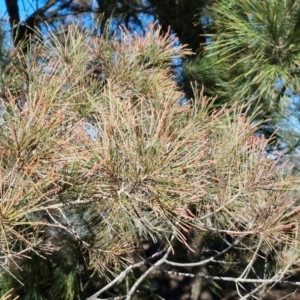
(203, 262)
(232, 279)
(158, 263)
(69, 229)
(123, 274)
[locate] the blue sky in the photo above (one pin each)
(2, 7)
(3, 15)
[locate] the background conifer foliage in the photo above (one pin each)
(98, 157)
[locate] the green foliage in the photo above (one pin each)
(253, 44)
(98, 156)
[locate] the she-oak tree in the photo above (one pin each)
(98, 157)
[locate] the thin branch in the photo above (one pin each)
(203, 262)
(158, 263)
(69, 229)
(113, 298)
(76, 202)
(262, 285)
(11, 274)
(123, 274)
(17, 254)
(232, 279)
(250, 264)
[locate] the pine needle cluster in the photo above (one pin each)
(97, 156)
